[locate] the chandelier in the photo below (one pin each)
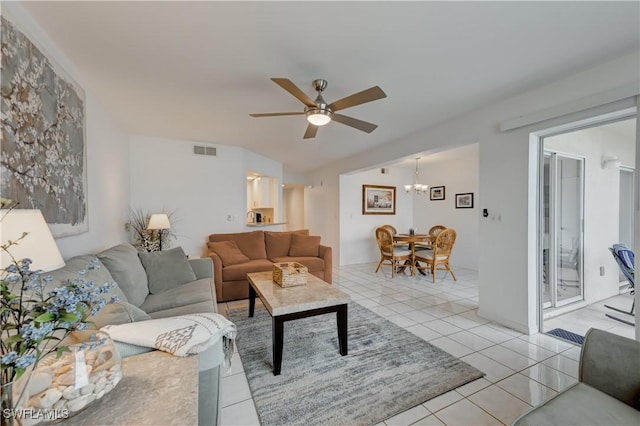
(417, 187)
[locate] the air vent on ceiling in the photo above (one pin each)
(205, 150)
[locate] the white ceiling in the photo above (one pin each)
(195, 70)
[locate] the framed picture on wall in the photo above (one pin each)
(44, 163)
(437, 193)
(378, 199)
(464, 201)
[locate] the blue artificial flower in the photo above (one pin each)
(31, 332)
(9, 357)
(32, 285)
(79, 297)
(26, 360)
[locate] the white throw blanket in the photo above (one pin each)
(181, 335)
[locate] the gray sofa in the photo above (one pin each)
(608, 391)
(155, 285)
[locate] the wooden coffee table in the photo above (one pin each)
(286, 304)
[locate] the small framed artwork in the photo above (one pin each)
(437, 193)
(464, 201)
(378, 199)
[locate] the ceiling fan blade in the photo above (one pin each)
(372, 94)
(311, 132)
(288, 85)
(354, 122)
(276, 114)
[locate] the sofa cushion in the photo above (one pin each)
(126, 269)
(304, 245)
(581, 405)
(239, 272)
(186, 294)
(250, 243)
(98, 276)
(314, 264)
(278, 243)
(229, 252)
(167, 269)
(118, 313)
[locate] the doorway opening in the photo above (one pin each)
(585, 207)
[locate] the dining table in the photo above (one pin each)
(412, 239)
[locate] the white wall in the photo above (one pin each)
(357, 231)
(202, 190)
(507, 180)
(107, 155)
(205, 191)
(458, 173)
(601, 202)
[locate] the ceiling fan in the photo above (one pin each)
(319, 113)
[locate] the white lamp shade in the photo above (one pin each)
(38, 245)
(159, 221)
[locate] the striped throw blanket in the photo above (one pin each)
(180, 335)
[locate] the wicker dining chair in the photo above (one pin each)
(433, 232)
(390, 228)
(389, 251)
(394, 232)
(440, 254)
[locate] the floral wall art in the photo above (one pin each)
(42, 145)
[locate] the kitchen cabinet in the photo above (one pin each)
(259, 192)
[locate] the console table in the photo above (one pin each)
(157, 388)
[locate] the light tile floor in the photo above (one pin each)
(521, 371)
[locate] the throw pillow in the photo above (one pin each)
(304, 245)
(167, 269)
(99, 276)
(277, 243)
(118, 313)
(125, 267)
(229, 252)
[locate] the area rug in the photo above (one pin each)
(387, 370)
(567, 335)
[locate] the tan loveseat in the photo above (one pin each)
(235, 255)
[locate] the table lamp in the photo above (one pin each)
(159, 222)
(38, 245)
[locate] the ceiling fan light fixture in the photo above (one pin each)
(318, 117)
(320, 113)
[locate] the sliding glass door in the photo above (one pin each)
(563, 200)
(626, 235)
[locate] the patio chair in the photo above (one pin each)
(626, 261)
